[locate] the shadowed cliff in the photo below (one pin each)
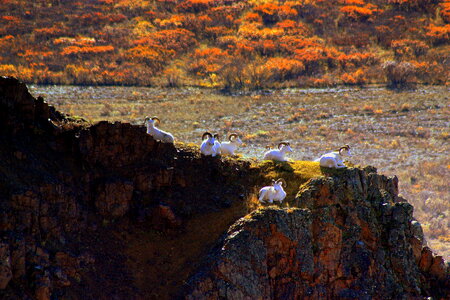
(104, 211)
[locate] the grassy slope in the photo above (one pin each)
(241, 44)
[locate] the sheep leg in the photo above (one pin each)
(261, 197)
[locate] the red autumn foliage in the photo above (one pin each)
(241, 44)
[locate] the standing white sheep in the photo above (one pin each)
(335, 159)
(156, 133)
(275, 192)
(208, 146)
(228, 148)
(278, 155)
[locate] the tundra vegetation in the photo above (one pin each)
(401, 133)
(244, 44)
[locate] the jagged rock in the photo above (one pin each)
(5, 265)
(163, 217)
(267, 255)
(113, 198)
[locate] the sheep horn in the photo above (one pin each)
(232, 135)
(217, 136)
(156, 119)
(281, 144)
(146, 119)
(346, 147)
(206, 134)
(283, 182)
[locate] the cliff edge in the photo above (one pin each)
(104, 211)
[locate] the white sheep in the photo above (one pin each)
(208, 146)
(335, 159)
(156, 133)
(228, 148)
(275, 192)
(278, 154)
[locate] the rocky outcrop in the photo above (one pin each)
(104, 211)
(352, 237)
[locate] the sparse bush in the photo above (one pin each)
(400, 74)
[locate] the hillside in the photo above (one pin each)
(243, 44)
(104, 211)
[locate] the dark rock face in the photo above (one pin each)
(65, 183)
(81, 205)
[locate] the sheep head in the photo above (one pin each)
(209, 137)
(345, 150)
(281, 182)
(285, 145)
(152, 120)
(233, 137)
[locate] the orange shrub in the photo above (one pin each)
(216, 31)
(293, 27)
(195, 6)
(78, 41)
(255, 31)
(40, 54)
(177, 40)
(272, 12)
(208, 61)
(96, 18)
(356, 78)
(228, 41)
(75, 50)
(54, 31)
(280, 69)
(356, 13)
(253, 17)
(408, 48)
(352, 2)
(8, 70)
(356, 59)
(292, 43)
(147, 55)
(445, 11)
(439, 34)
(11, 19)
(267, 47)
(245, 48)
(316, 58)
(173, 22)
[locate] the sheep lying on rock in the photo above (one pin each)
(275, 192)
(210, 146)
(335, 159)
(278, 155)
(228, 148)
